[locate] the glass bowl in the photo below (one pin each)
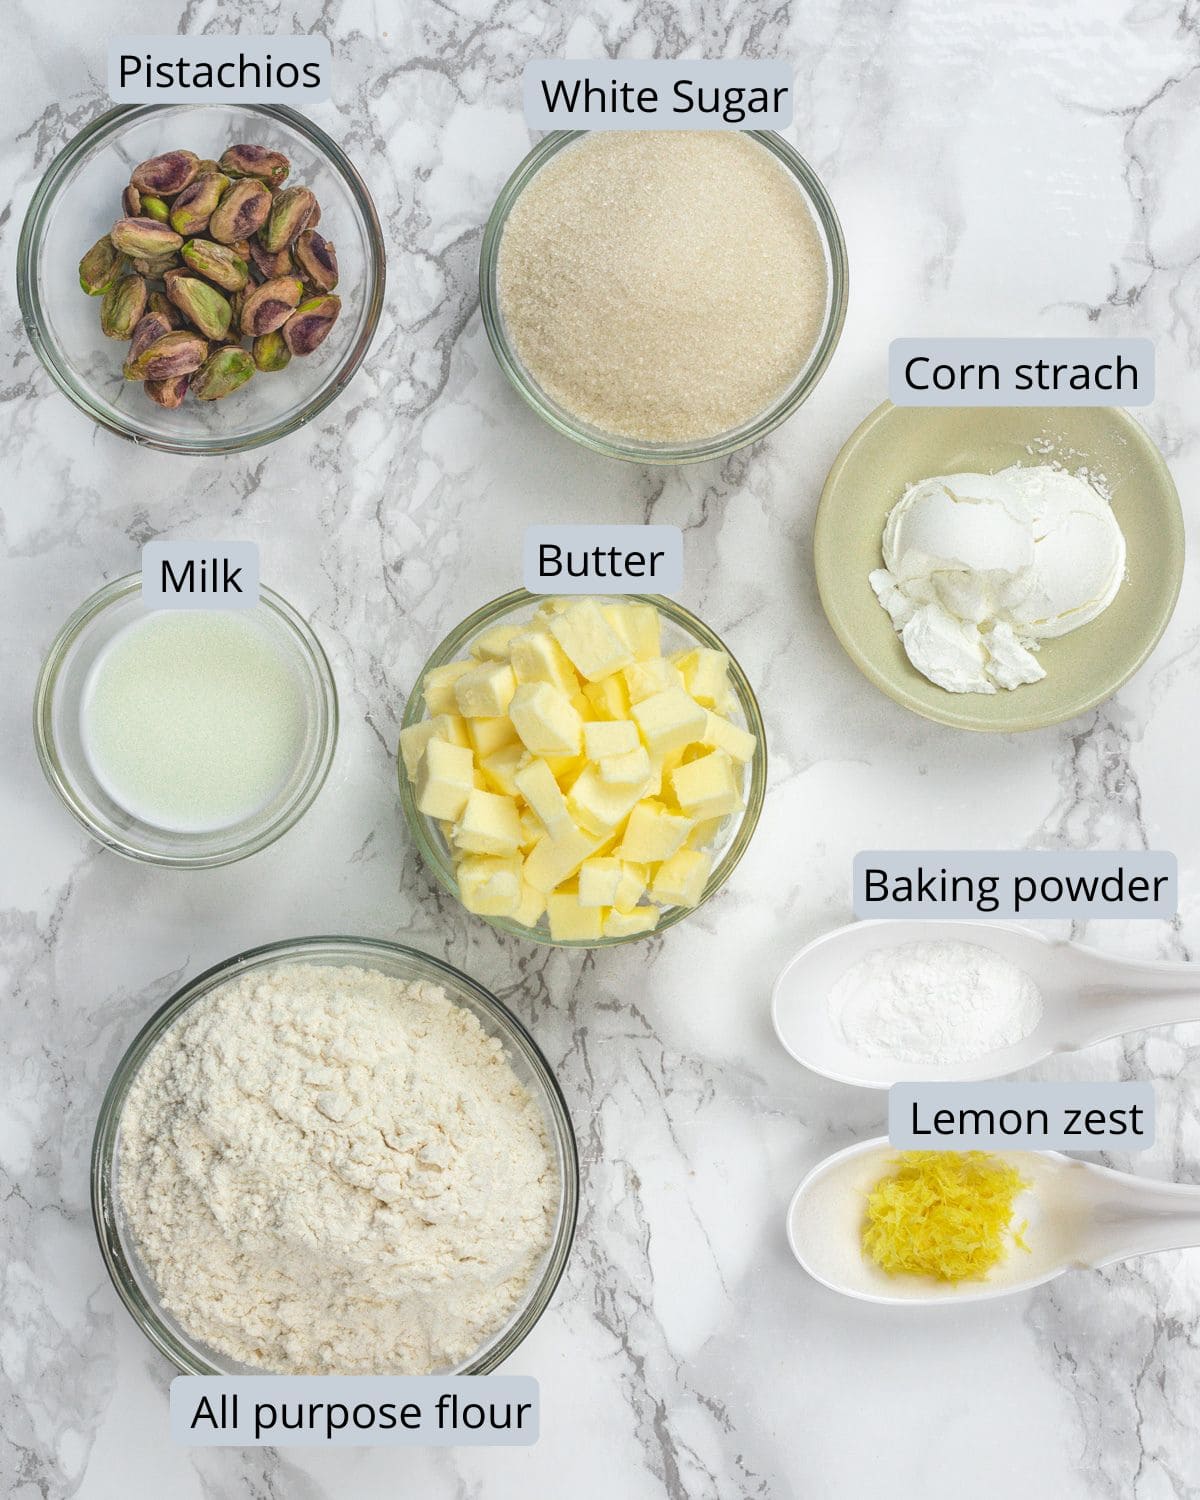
(636, 450)
(56, 720)
(79, 199)
(129, 1275)
(681, 629)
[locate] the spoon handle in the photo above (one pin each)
(1142, 1218)
(1108, 1013)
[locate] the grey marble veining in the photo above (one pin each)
(998, 170)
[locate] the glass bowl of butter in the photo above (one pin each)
(582, 770)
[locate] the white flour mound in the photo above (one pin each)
(934, 1002)
(330, 1171)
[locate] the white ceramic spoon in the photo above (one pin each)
(1079, 1217)
(1087, 997)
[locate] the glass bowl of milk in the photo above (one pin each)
(185, 737)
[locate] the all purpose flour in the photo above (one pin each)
(327, 1170)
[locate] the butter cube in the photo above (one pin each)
(555, 859)
(708, 787)
(652, 834)
(537, 657)
(680, 880)
(705, 676)
(593, 646)
(638, 626)
(451, 727)
(532, 829)
(532, 907)
(490, 887)
(445, 779)
(609, 698)
(720, 734)
(412, 745)
(546, 720)
(488, 735)
(501, 767)
(610, 737)
(490, 824)
(631, 769)
(630, 923)
(631, 887)
(494, 644)
(599, 881)
(438, 686)
(486, 690)
(669, 720)
(535, 782)
(565, 767)
(598, 806)
(645, 678)
(705, 833)
(572, 923)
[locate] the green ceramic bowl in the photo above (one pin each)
(897, 446)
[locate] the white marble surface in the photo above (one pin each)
(998, 169)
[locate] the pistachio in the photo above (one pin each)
(159, 302)
(271, 265)
(165, 175)
(123, 306)
(289, 215)
(269, 306)
(192, 210)
(155, 208)
(222, 373)
(146, 237)
(216, 263)
(151, 327)
(316, 261)
(309, 325)
(131, 202)
(206, 166)
(100, 267)
(169, 392)
(176, 353)
(314, 218)
(243, 209)
(267, 166)
(271, 351)
(154, 267)
(202, 305)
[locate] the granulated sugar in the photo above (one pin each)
(664, 286)
(327, 1170)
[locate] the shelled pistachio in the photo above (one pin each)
(123, 305)
(310, 324)
(222, 373)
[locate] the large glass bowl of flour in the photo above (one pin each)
(130, 1275)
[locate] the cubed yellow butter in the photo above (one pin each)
(485, 691)
(532, 829)
(593, 646)
(572, 923)
(598, 806)
(705, 675)
(680, 880)
(555, 859)
(653, 833)
(599, 881)
(546, 720)
(549, 607)
(645, 678)
(481, 780)
(532, 907)
(452, 728)
(638, 626)
(631, 887)
(501, 767)
(630, 923)
(488, 735)
(631, 769)
(705, 833)
(412, 745)
(582, 706)
(610, 737)
(535, 782)
(438, 687)
(609, 698)
(445, 779)
(708, 787)
(668, 721)
(490, 824)
(494, 644)
(719, 734)
(490, 887)
(565, 767)
(537, 657)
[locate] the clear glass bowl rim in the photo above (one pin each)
(30, 299)
(115, 592)
(460, 638)
(630, 449)
(353, 950)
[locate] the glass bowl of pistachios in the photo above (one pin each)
(201, 278)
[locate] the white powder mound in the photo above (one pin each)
(663, 285)
(934, 1002)
(329, 1171)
